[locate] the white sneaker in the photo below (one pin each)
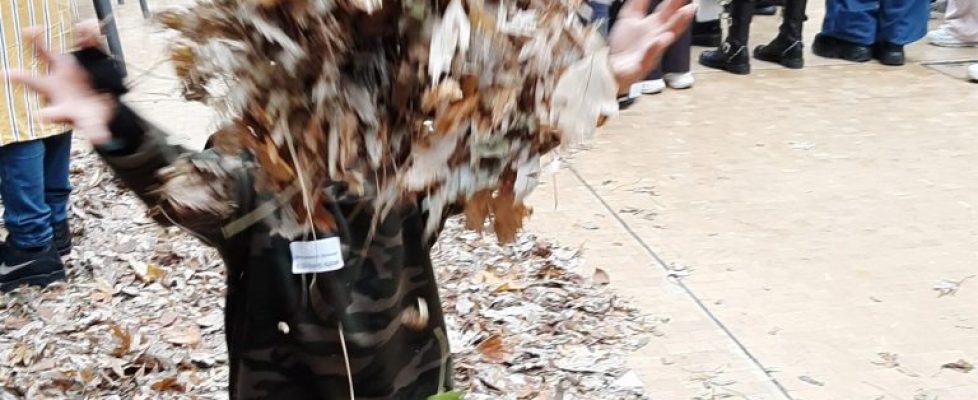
(680, 81)
(652, 87)
(635, 91)
(945, 38)
(973, 73)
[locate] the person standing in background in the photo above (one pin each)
(786, 49)
(34, 156)
(706, 28)
(960, 28)
(861, 30)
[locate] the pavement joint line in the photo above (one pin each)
(689, 292)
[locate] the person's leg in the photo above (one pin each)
(26, 213)
(961, 21)
(848, 30)
(706, 29)
(787, 48)
(653, 82)
(853, 21)
(901, 22)
(28, 258)
(733, 55)
(57, 187)
(676, 58)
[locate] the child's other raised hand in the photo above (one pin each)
(637, 41)
(67, 86)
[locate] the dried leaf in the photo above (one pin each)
(509, 287)
(492, 349)
(146, 272)
(810, 380)
(960, 366)
(182, 335)
(124, 339)
(168, 385)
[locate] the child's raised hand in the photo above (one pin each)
(637, 41)
(67, 87)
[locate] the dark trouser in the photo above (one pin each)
(676, 58)
(35, 187)
(866, 22)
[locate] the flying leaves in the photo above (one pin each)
(453, 103)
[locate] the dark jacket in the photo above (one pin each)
(283, 329)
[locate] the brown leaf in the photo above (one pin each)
(477, 209)
(508, 218)
(183, 335)
(21, 355)
(449, 119)
(146, 272)
(168, 385)
(14, 323)
(509, 286)
(601, 277)
(86, 375)
(273, 164)
(124, 338)
(492, 349)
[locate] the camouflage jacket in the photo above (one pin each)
(283, 329)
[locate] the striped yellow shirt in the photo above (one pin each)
(19, 107)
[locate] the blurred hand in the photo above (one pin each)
(67, 86)
(637, 41)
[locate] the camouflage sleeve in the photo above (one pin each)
(191, 190)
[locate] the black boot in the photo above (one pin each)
(889, 54)
(831, 47)
(707, 34)
(787, 48)
(732, 56)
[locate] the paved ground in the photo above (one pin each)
(804, 218)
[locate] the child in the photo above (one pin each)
(371, 329)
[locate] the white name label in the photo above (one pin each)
(322, 255)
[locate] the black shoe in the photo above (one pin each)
(830, 47)
(784, 51)
(29, 267)
(731, 57)
(62, 237)
(889, 54)
(707, 34)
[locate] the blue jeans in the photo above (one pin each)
(599, 15)
(866, 22)
(35, 187)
